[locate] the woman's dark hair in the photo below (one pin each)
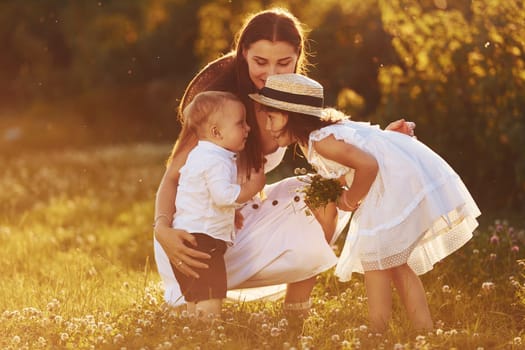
(230, 73)
(274, 25)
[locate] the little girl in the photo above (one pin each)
(410, 208)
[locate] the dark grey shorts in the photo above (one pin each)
(212, 281)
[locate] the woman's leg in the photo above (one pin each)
(297, 299)
(298, 293)
(379, 293)
(412, 295)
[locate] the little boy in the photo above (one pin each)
(208, 193)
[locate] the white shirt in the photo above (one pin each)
(207, 191)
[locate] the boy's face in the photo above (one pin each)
(275, 124)
(231, 130)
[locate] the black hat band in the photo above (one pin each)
(292, 98)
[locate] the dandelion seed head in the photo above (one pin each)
(275, 332)
(488, 287)
(118, 338)
(283, 323)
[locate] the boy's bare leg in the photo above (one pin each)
(210, 308)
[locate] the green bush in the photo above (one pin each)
(462, 79)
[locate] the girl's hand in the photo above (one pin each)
(342, 180)
(175, 244)
(402, 126)
(343, 204)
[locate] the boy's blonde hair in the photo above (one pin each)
(205, 104)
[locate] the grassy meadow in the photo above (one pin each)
(76, 261)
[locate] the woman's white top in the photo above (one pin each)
(417, 211)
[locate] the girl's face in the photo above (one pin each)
(265, 58)
(275, 124)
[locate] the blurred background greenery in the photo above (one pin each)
(83, 73)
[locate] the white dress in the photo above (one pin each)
(278, 243)
(418, 211)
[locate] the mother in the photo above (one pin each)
(277, 243)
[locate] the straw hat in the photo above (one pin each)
(292, 92)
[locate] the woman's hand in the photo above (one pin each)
(402, 126)
(182, 257)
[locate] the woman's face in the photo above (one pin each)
(275, 124)
(266, 58)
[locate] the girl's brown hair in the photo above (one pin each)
(230, 73)
(299, 126)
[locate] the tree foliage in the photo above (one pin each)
(456, 68)
(463, 80)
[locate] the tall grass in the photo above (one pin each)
(77, 273)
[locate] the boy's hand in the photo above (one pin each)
(239, 219)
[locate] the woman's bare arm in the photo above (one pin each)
(172, 240)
